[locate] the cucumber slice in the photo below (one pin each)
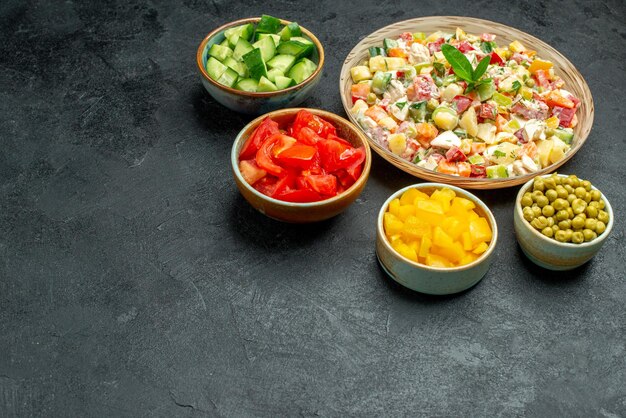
(302, 70)
(214, 68)
(389, 43)
(239, 32)
(241, 49)
(486, 90)
(295, 48)
(225, 43)
(564, 135)
(302, 40)
(239, 67)
(282, 62)
(220, 52)
(292, 29)
(267, 47)
(375, 51)
(229, 78)
(275, 38)
(256, 65)
(268, 24)
(497, 172)
(247, 84)
(283, 82)
(272, 74)
(266, 85)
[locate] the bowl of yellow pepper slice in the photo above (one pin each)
(435, 238)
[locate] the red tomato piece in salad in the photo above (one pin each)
(324, 184)
(455, 154)
(462, 103)
(496, 59)
(265, 129)
(299, 196)
(250, 171)
(360, 91)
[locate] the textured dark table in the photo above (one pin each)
(135, 280)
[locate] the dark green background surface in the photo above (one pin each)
(136, 281)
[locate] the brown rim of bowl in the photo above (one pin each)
(202, 46)
(367, 164)
(470, 196)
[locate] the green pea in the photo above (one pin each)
(550, 220)
(566, 181)
(561, 192)
(560, 236)
(603, 216)
(594, 204)
(536, 211)
(600, 227)
(578, 223)
(527, 201)
(579, 206)
(591, 223)
(559, 204)
(592, 212)
(601, 204)
(547, 231)
(536, 195)
(589, 235)
(555, 228)
(570, 212)
(587, 198)
(550, 183)
(539, 222)
(578, 237)
(547, 210)
(542, 201)
(562, 215)
(580, 192)
(565, 224)
(571, 198)
(551, 194)
(575, 181)
(528, 194)
(538, 185)
(568, 235)
(528, 213)
(569, 188)
(586, 184)
(595, 195)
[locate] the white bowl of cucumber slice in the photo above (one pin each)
(259, 64)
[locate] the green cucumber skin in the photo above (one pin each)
(229, 78)
(267, 47)
(302, 70)
(268, 24)
(247, 84)
(282, 62)
(220, 52)
(214, 68)
(265, 85)
(283, 82)
(241, 49)
(256, 65)
(295, 48)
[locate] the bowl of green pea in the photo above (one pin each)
(561, 221)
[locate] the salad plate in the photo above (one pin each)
(570, 84)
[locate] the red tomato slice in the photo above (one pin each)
(308, 136)
(297, 156)
(270, 148)
(462, 103)
(300, 196)
(324, 184)
(319, 125)
(261, 133)
(339, 139)
(284, 184)
(496, 59)
(250, 171)
(266, 185)
(335, 155)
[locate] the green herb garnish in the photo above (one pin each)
(463, 67)
(401, 105)
(497, 153)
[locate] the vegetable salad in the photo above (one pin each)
(460, 104)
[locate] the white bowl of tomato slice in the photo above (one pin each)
(300, 165)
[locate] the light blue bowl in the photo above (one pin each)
(548, 252)
(257, 103)
(434, 280)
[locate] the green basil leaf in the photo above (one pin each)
(481, 68)
(459, 62)
(516, 85)
(487, 47)
(497, 153)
